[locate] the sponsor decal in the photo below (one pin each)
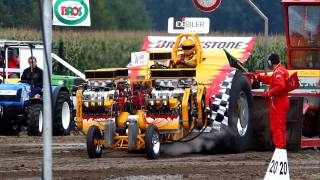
(188, 24)
(71, 13)
(8, 92)
(309, 83)
(139, 58)
(167, 42)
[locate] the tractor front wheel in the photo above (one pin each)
(63, 122)
(35, 119)
(152, 142)
(94, 137)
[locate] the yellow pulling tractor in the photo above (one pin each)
(164, 104)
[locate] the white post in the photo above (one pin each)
(266, 20)
(47, 114)
(266, 29)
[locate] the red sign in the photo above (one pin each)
(207, 5)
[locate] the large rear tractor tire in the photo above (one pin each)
(152, 142)
(63, 120)
(240, 114)
(35, 119)
(94, 136)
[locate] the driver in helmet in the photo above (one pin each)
(188, 58)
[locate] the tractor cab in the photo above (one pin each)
(21, 103)
(14, 58)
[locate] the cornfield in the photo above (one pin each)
(103, 49)
(263, 47)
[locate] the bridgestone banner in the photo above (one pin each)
(71, 13)
(244, 44)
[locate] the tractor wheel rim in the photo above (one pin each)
(65, 116)
(40, 121)
(155, 142)
(98, 146)
(243, 114)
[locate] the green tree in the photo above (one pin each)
(17, 13)
(130, 15)
(105, 14)
(119, 15)
(231, 16)
(101, 15)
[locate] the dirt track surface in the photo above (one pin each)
(21, 158)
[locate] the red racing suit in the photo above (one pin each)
(279, 104)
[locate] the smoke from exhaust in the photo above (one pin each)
(205, 143)
(222, 141)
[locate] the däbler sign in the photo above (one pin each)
(71, 13)
(189, 24)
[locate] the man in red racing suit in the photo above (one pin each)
(279, 101)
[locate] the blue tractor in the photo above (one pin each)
(19, 107)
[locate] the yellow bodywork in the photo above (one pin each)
(121, 142)
(185, 108)
(164, 123)
(108, 103)
(211, 63)
(142, 119)
(12, 80)
(79, 109)
(122, 119)
(200, 98)
(306, 73)
(173, 103)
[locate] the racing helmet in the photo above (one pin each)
(188, 46)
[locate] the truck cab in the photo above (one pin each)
(14, 58)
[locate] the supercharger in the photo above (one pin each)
(166, 96)
(99, 98)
